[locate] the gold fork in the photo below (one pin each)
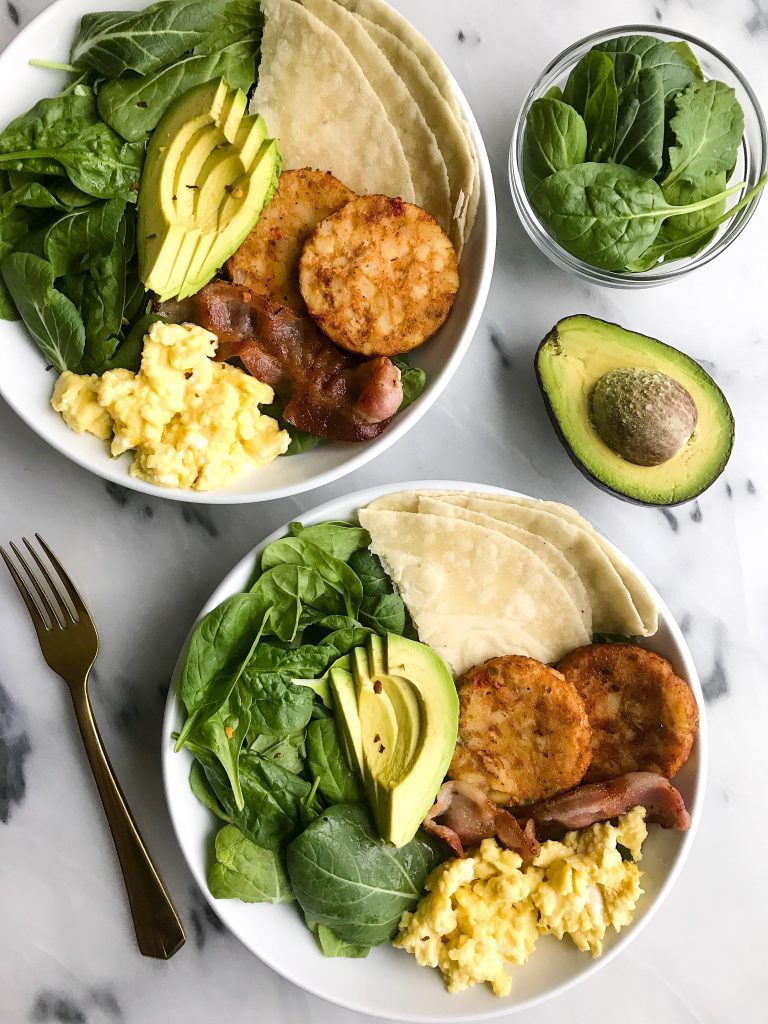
(70, 643)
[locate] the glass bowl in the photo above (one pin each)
(750, 164)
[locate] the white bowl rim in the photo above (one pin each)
(357, 499)
(115, 471)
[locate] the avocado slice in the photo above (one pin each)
(639, 418)
(209, 171)
(402, 726)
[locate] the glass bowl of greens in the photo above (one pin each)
(638, 156)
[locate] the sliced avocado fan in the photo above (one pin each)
(210, 170)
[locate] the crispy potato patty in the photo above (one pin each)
(379, 276)
(268, 260)
(523, 731)
(643, 717)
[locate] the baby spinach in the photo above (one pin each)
(708, 126)
(277, 706)
(300, 551)
(341, 540)
(111, 43)
(639, 141)
(381, 608)
(79, 240)
(683, 50)
(346, 878)
(336, 780)
(673, 66)
(607, 214)
(201, 789)
(49, 316)
(413, 380)
(555, 138)
(289, 750)
(331, 945)
(244, 871)
(591, 90)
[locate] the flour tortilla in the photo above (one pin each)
(452, 568)
(481, 639)
(319, 105)
(425, 161)
(643, 600)
(561, 572)
(613, 601)
(395, 25)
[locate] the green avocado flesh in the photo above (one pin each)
(638, 417)
(209, 172)
(397, 711)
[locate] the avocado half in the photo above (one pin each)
(581, 351)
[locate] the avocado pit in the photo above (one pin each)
(643, 415)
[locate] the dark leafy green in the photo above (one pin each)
(591, 90)
(381, 608)
(413, 380)
(708, 126)
(354, 883)
(639, 141)
(244, 871)
(673, 66)
(336, 780)
(606, 214)
(331, 945)
(341, 540)
(49, 316)
(555, 138)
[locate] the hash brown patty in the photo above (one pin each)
(523, 731)
(643, 717)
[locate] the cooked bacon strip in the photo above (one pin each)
(327, 392)
(601, 801)
(463, 815)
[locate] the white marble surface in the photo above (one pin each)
(67, 952)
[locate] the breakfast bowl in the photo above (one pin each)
(26, 381)
(388, 983)
(749, 167)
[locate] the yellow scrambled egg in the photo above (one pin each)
(484, 911)
(191, 421)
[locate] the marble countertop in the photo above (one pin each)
(67, 951)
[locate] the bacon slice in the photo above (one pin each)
(463, 815)
(327, 392)
(601, 801)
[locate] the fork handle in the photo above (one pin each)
(158, 929)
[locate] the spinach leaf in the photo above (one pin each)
(133, 104)
(30, 194)
(674, 68)
(555, 137)
(277, 706)
(681, 193)
(341, 540)
(81, 239)
(626, 68)
(591, 90)
(294, 596)
(354, 883)
(272, 811)
(14, 226)
(381, 608)
(331, 945)
(554, 92)
(301, 441)
(64, 135)
(201, 788)
(683, 50)
(640, 123)
(289, 750)
(708, 126)
(127, 355)
(111, 43)
(606, 214)
(413, 380)
(300, 551)
(244, 871)
(102, 308)
(49, 316)
(337, 781)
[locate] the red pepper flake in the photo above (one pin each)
(381, 748)
(377, 686)
(377, 738)
(229, 731)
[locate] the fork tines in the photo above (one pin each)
(47, 604)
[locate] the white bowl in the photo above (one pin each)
(389, 983)
(27, 387)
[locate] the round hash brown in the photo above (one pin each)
(643, 717)
(268, 260)
(379, 277)
(523, 731)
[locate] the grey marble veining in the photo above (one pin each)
(67, 954)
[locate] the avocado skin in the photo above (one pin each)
(584, 470)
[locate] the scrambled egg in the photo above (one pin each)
(192, 422)
(485, 911)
